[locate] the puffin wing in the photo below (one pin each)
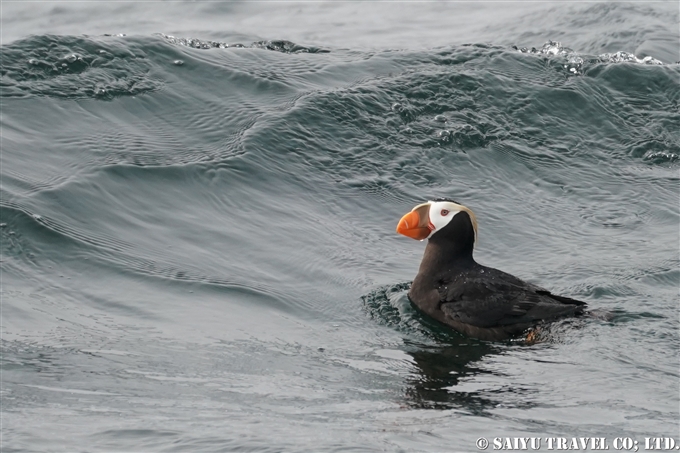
(487, 297)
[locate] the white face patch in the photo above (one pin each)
(442, 212)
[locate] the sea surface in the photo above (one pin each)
(198, 205)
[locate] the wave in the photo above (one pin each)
(280, 45)
(77, 67)
(575, 63)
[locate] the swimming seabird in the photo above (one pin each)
(454, 289)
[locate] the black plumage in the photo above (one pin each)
(476, 300)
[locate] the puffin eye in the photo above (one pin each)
(445, 212)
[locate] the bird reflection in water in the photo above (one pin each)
(449, 373)
(438, 371)
(444, 362)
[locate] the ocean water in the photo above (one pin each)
(198, 204)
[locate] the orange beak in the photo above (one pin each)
(416, 224)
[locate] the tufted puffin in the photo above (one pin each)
(454, 289)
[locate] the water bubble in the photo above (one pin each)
(397, 107)
(440, 118)
(444, 134)
(178, 62)
(574, 64)
(553, 48)
(651, 60)
(625, 57)
(280, 46)
(659, 157)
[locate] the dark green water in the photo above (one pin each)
(198, 245)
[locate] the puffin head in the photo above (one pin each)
(429, 219)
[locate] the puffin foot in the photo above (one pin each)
(532, 337)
